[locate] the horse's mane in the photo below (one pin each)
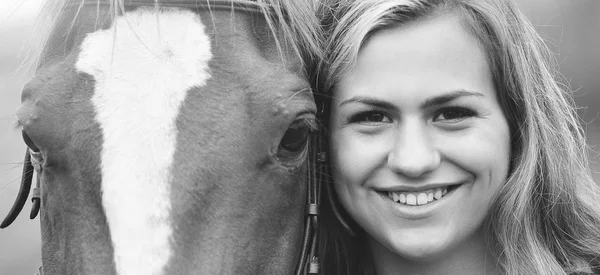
(294, 20)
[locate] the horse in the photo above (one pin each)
(174, 137)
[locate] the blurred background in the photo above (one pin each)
(571, 28)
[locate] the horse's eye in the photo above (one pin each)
(294, 140)
(29, 142)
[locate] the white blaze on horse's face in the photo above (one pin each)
(137, 110)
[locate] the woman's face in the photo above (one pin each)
(420, 143)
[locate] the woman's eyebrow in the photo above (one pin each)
(433, 101)
(369, 101)
(445, 98)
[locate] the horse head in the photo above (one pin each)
(172, 137)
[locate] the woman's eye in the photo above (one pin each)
(370, 117)
(453, 114)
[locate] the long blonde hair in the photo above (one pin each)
(546, 218)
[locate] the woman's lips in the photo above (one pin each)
(419, 199)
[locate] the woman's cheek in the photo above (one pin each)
(484, 151)
(358, 155)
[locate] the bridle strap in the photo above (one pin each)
(26, 178)
(309, 260)
(36, 193)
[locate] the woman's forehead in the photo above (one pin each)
(429, 56)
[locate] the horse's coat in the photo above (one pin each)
(173, 136)
(137, 110)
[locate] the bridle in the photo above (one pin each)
(29, 167)
(309, 261)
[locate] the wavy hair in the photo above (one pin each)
(546, 218)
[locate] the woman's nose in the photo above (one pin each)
(413, 153)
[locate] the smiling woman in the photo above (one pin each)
(453, 149)
(415, 138)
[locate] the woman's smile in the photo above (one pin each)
(421, 204)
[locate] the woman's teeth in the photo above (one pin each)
(420, 198)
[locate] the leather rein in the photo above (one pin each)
(308, 262)
(29, 167)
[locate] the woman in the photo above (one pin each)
(453, 149)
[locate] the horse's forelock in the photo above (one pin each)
(295, 20)
(298, 23)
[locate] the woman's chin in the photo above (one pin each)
(420, 249)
